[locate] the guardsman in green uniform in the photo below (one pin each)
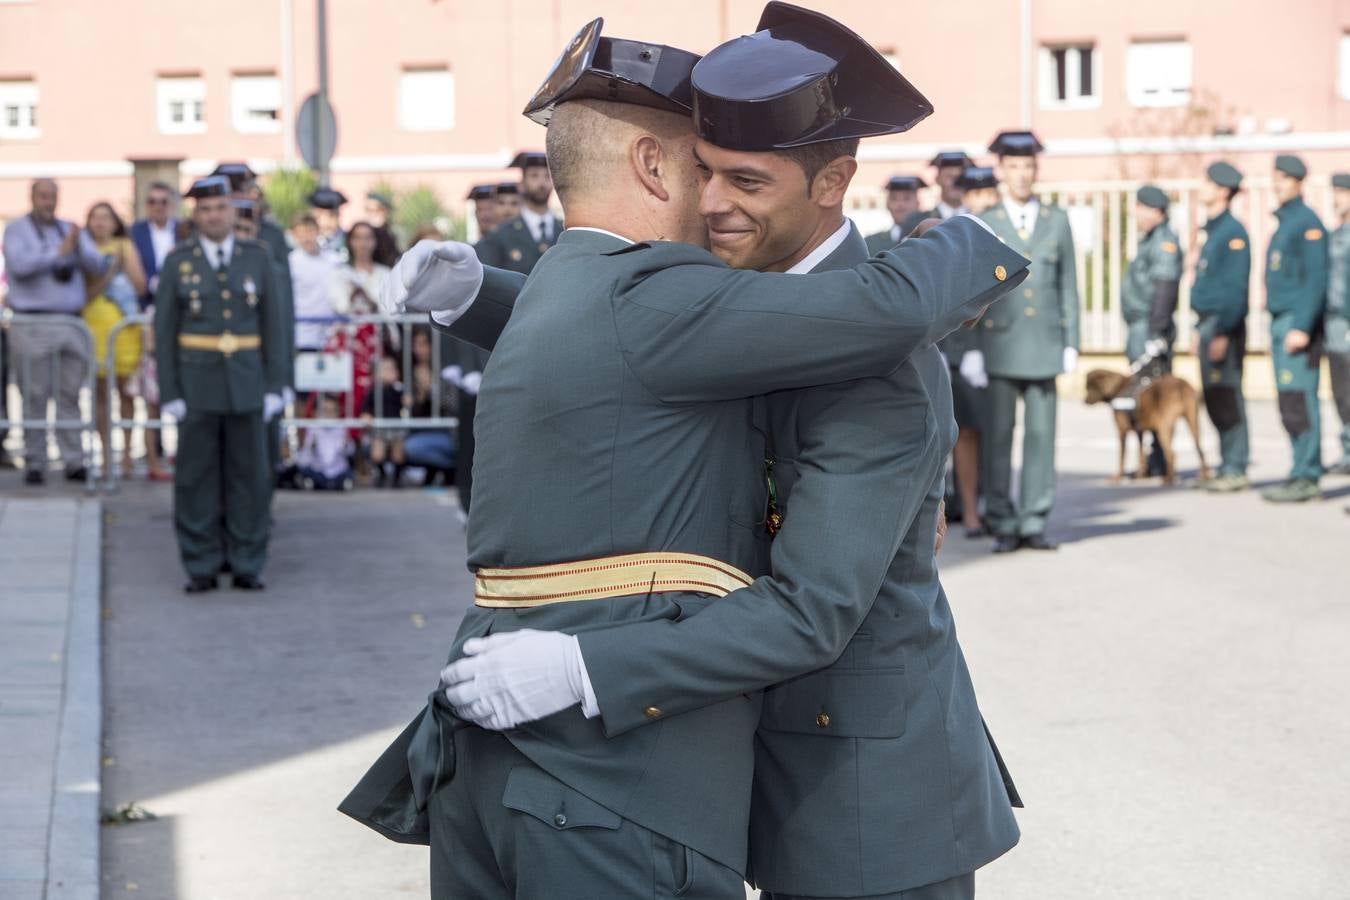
(1296, 293)
(1148, 302)
(519, 242)
(1337, 324)
(979, 192)
(484, 199)
(507, 195)
(1026, 343)
(690, 338)
(948, 165)
(327, 204)
(1219, 299)
(902, 200)
(219, 349)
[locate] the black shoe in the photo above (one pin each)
(200, 584)
(34, 476)
(978, 532)
(247, 583)
(79, 473)
(1006, 543)
(1039, 542)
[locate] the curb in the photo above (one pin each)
(73, 846)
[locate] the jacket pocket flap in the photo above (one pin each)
(854, 703)
(537, 793)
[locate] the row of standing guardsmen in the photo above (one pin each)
(1032, 337)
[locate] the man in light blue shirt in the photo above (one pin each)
(46, 261)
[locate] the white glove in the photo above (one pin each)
(972, 369)
(455, 277)
(472, 381)
(288, 395)
(272, 404)
(1070, 359)
(174, 409)
(507, 679)
(1155, 347)
(452, 375)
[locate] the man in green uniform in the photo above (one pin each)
(694, 349)
(327, 204)
(219, 350)
(1219, 298)
(948, 166)
(1337, 324)
(1296, 292)
(902, 200)
(1148, 302)
(484, 199)
(518, 243)
(1026, 343)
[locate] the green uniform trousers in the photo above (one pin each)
(1296, 379)
(1225, 404)
(504, 828)
(1037, 494)
(962, 887)
(220, 493)
(1339, 364)
(1136, 336)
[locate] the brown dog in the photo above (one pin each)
(1157, 409)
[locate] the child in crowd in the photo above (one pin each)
(325, 453)
(386, 444)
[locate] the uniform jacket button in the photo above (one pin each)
(652, 712)
(560, 820)
(823, 720)
(1000, 273)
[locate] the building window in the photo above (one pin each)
(255, 100)
(1158, 73)
(1345, 67)
(1070, 76)
(180, 104)
(18, 109)
(426, 99)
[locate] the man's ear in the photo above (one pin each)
(831, 182)
(648, 160)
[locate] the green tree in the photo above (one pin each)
(287, 192)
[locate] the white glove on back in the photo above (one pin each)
(507, 679)
(272, 405)
(1070, 359)
(972, 369)
(174, 409)
(452, 375)
(454, 279)
(471, 383)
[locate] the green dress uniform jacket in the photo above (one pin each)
(1337, 328)
(1296, 289)
(1023, 341)
(882, 240)
(511, 246)
(1219, 299)
(860, 465)
(1148, 298)
(642, 437)
(222, 455)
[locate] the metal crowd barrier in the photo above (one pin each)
(21, 368)
(293, 418)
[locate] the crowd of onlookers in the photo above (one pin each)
(105, 271)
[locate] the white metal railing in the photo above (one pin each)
(1101, 214)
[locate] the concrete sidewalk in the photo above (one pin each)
(50, 697)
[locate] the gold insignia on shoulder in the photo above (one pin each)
(516, 255)
(1169, 247)
(1313, 234)
(1236, 244)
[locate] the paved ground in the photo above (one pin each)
(1167, 689)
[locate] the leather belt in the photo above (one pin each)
(225, 342)
(607, 576)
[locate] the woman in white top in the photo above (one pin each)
(360, 273)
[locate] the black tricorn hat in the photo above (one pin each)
(952, 158)
(507, 187)
(210, 186)
(527, 159)
(244, 209)
(238, 173)
(976, 177)
(621, 71)
(482, 192)
(1016, 143)
(802, 78)
(905, 183)
(326, 198)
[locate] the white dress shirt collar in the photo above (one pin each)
(818, 255)
(535, 222)
(617, 237)
(215, 252)
(1023, 215)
